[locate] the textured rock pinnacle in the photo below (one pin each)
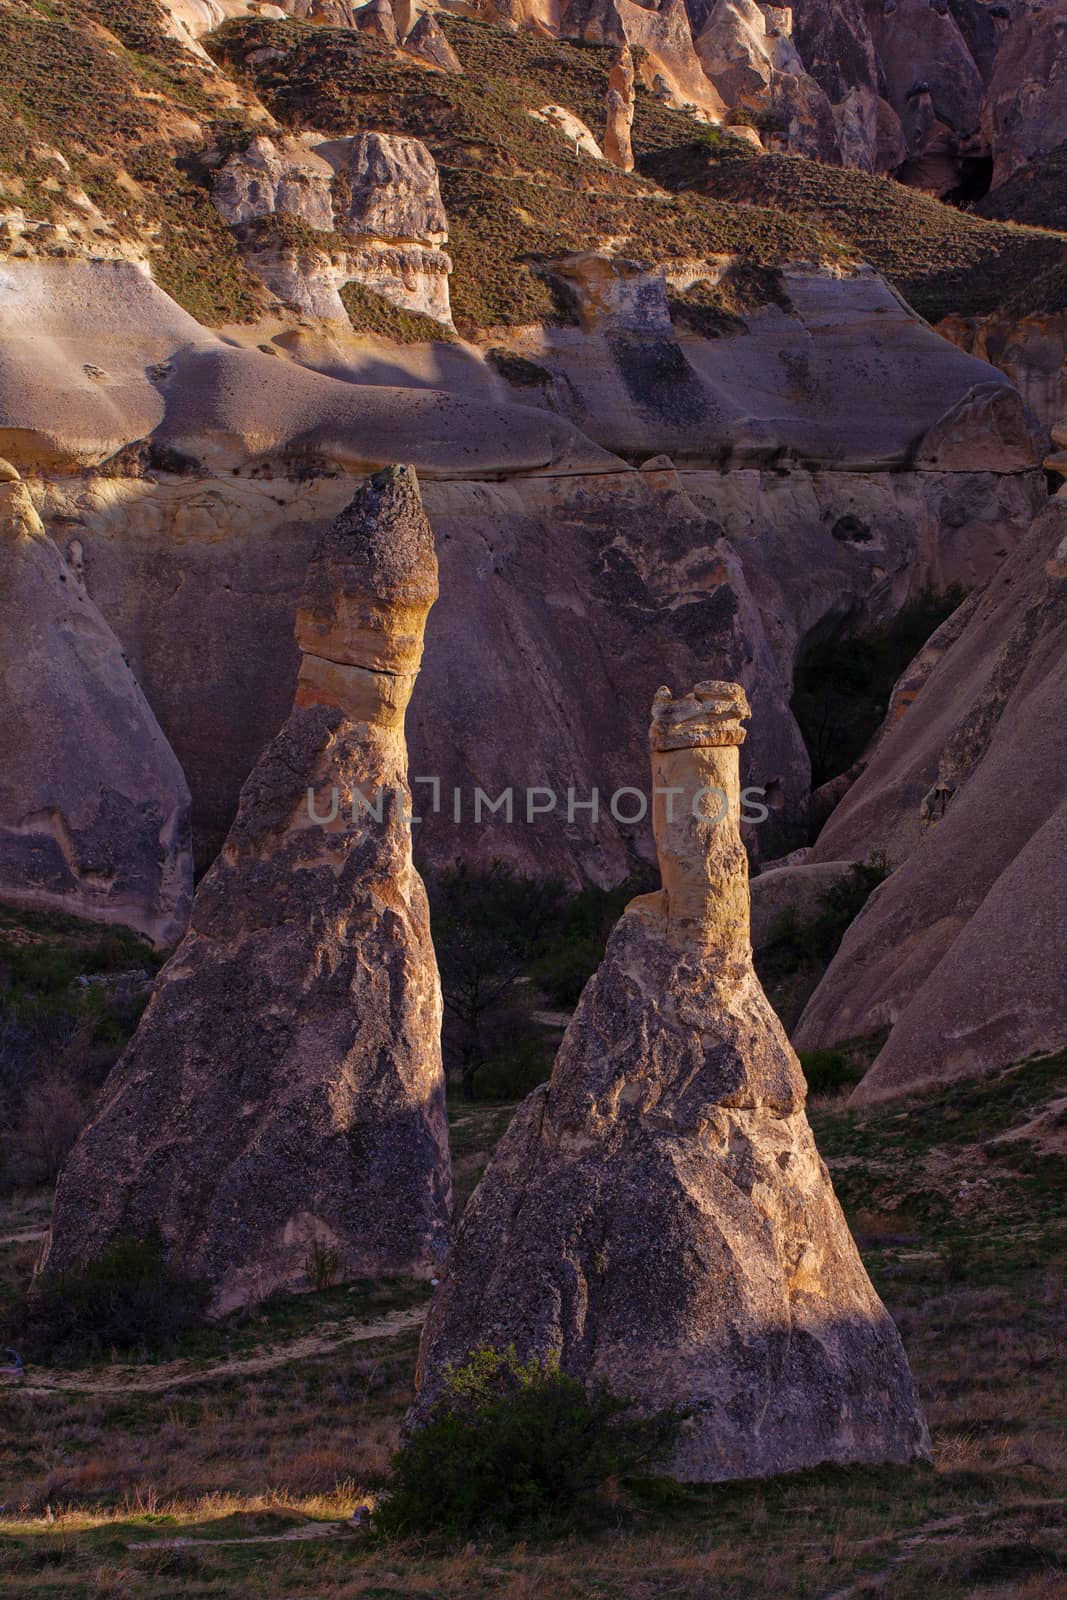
(284, 1088)
(657, 1215)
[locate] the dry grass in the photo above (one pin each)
(242, 1466)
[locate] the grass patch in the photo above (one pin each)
(369, 312)
(973, 1274)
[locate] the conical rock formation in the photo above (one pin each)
(94, 807)
(284, 1088)
(658, 1215)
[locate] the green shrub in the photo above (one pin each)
(322, 1264)
(564, 965)
(825, 1070)
(794, 944)
(513, 1445)
(517, 1070)
(842, 685)
(517, 370)
(130, 1297)
(489, 925)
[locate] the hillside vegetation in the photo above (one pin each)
(110, 130)
(941, 259)
(515, 192)
(100, 129)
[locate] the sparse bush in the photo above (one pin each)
(518, 1069)
(129, 1297)
(794, 944)
(569, 961)
(514, 1444)
(488, 926)
(49, 1121)
(826, 1070)
(322, 1265)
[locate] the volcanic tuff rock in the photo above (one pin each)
(378, 191)
(960, 951)
(748, 53)
(1025, 110)
(284, 1087)
(619, 113)
(729, 562)
(276, 177)
(657, 1216)
(94, 808)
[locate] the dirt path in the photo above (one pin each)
(24, 1235)
(309, 1530)
(323, 1340)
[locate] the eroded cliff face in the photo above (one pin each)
(657, 1217)
(960, 952)
(94, 807)
(284, 1089)
(677, 430)
(570, 576)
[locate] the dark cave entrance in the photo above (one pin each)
(976, 178)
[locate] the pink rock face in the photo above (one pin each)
(285, 1087)
(657, 1216)
(960, 951)
(1025, 113)
(94, 807)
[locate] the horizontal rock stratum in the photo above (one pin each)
(284, 1090)
(658, 1216)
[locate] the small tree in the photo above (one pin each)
(515, 1443)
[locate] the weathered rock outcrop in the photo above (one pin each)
(619, 112)
(1031, 350)
(657, 1216)
(285, 1085)
(670, 66)
(377, 194)
(726, 564)
(94, 808)
(1025, 111)
(748, 53)
(276, 177)
(960, 951)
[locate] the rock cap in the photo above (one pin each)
(711, 714)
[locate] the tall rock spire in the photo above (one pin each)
(284, 1088)
(657, 1216)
